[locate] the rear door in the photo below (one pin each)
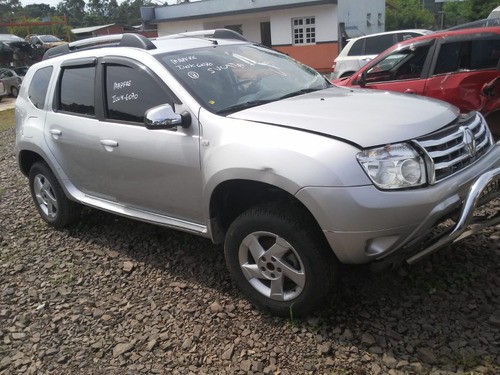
(461, 69)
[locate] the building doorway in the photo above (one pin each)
(265, 33)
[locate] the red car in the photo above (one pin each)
(461, 67)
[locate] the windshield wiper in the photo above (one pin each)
(298, 92)
(255, 103)
(245, 105)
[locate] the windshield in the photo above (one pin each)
(228, 78)
(49, 38)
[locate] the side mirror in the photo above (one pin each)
(164, 117)
(362, 79)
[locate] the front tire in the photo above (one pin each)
(49, 198)
(280, 260)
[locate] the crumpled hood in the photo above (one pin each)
(365, 117)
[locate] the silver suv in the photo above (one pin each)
(238, 143)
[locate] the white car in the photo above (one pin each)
(358, 51)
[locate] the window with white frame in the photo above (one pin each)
(304, 30)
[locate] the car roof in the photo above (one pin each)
(420, 31)
(10, 38)
(486, 22)
(171, 43)
(446, 34)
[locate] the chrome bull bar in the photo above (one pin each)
(466, 225)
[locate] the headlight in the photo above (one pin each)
(395, 166)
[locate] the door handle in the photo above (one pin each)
(109, 145)
(56, 133)
(410, 91)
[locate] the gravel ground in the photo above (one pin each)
(114, 296)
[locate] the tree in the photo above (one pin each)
(467, 11)
(8, 10)
(74, 10)
(407, 14)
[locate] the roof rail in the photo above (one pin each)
(214, 33)
(116, 40)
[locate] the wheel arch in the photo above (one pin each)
(26, 159)
(231, 198)
(493, 120)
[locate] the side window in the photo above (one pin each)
(377, 44)
(76, 93)
(403, 64)
(130, 93)
(357, 48)
(39, 86)
(448, 58)
(485, 53)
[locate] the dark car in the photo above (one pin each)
(15, 51)
(460, 67)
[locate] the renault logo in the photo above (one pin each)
(469, 142)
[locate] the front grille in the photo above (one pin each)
(454, 148)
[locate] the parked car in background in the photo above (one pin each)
(3, 92)
(11, 81)
(15, 51)
(460, 67)
(20, 71)
(359, 51)
(44, 42)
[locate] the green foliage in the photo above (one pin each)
(59, 28)
(407, 14)
(468, 10)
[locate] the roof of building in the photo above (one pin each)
(83, 30)
(217, 8)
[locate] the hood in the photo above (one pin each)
(364, 117)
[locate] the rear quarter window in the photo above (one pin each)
(39, 85)
(357, 48)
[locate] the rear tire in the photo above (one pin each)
(14, 91)
(49, 198)
(280, 260)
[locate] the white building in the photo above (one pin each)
(311, 31)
